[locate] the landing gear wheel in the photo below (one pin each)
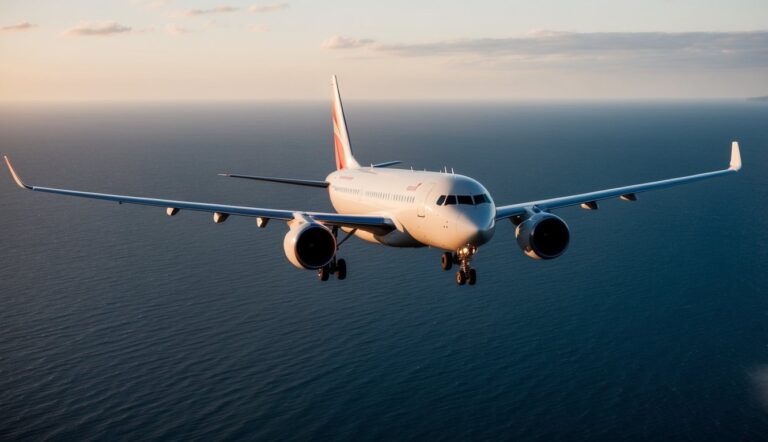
(324, 272)
(463, 258)
(446, 261)
(472, 277)
(461, 277)
(341, 269)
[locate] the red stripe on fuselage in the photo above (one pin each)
(413, 188)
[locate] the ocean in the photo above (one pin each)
(120, 323)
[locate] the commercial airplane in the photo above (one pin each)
(403, 208)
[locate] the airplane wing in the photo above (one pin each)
(375, 224)
(589, 200)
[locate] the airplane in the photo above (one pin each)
(402, 208)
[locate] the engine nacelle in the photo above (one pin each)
(309, 245)
(543, 236)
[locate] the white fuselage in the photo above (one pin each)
(410, 199)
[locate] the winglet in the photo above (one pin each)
(15, 175)
(735, 156)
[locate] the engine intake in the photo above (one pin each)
(309, 245)
(543, 236)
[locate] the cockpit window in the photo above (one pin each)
(469, 200)
(481, 199)
(465, 199)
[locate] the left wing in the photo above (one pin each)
(378, 225)
(589, 200)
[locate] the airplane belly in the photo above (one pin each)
(395, 238)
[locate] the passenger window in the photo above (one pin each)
(465, 199)
(440, 200)
(450, 200)
(480, 199)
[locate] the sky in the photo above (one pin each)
(159, 50)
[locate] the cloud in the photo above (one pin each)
(97, 28)
(210, 11)
(660, 49)
(23, 26)
(175, 30)
(152, 3)
(339, 42)
(274, 7)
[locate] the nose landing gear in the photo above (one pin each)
(462, 257)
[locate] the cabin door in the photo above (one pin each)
(425, 199)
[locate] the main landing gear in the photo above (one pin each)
(337, 267)
(462, 257)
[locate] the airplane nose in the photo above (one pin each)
(475, 230)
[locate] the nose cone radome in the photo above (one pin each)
(475, 228)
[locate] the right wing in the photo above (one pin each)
(627, 192)
(378, 225)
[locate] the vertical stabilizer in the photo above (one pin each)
(341, 143)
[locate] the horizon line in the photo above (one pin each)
(376, 100)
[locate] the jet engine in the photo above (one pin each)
(543, 236)
(309, 245)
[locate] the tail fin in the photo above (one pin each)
(342, 145)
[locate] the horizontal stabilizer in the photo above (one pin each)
(386, 164)
(310, 183)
